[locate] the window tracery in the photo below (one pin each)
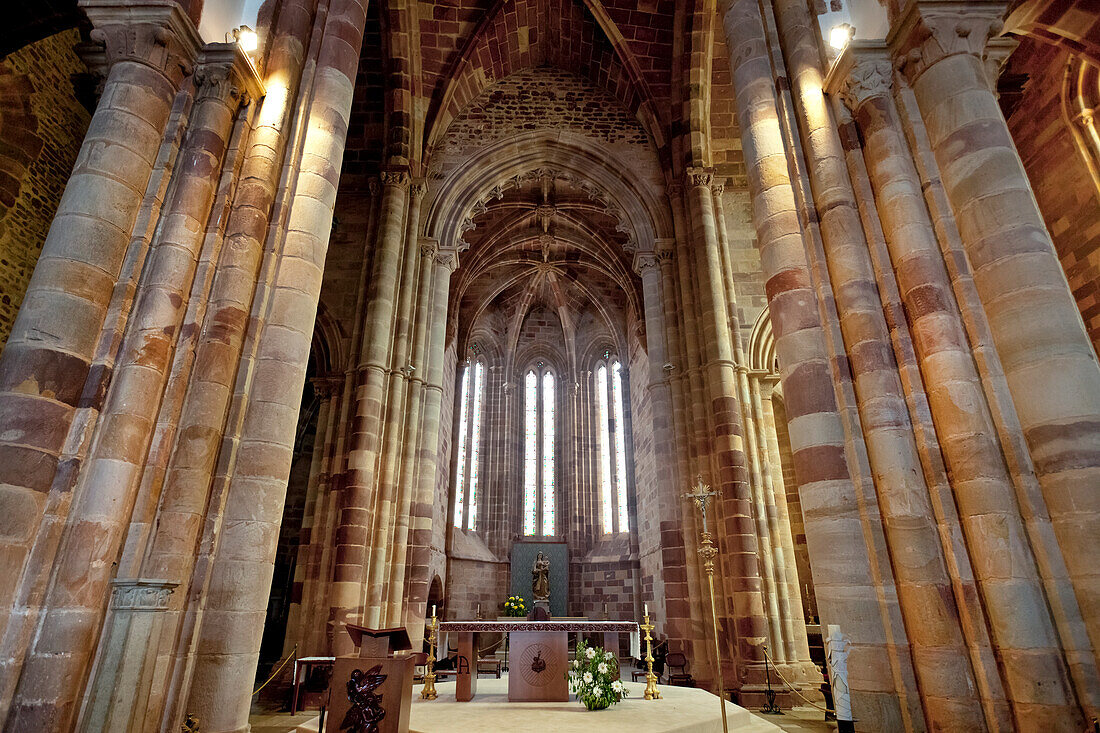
(611, 446)
(540, 431)
(468, 463)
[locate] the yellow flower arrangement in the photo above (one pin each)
(515, 607)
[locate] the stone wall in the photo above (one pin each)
(1067, 196)
(41, 128)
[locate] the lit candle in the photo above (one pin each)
(433, 610)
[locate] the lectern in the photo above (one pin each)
(372, 692)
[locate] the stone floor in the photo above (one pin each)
(800, 720)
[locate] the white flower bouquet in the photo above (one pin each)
(594, 677)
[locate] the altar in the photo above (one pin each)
(539, 652)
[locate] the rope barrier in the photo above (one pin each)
(293, 654)
(795, 689)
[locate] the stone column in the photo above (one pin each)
(186, 491)
(387, 499)
(305, 567)
(1048, 361)
(927, 599)
(365, 442)
(790, 599)
(734, 524)
(108, 487)
(420, 520)
(119, 694)
(240, 579)
(46, 360)
(409, 448)
(842, 522)
(661, 500)
(991, 517)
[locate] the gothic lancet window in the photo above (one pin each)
(539, 426)
(471, 398)
(611, 443)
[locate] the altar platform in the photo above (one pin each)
(680, 710)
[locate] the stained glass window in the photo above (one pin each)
(475, 444)
(540, 431)
(620, 445)
(530, 451)
(468, 460)
(463, 427)
(548, 453)
(611, 446)
(603, 422)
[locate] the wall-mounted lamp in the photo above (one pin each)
(246, 38)
(840, 35)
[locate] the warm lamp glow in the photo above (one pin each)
(839, 36)
(246, 39)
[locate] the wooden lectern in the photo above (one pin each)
(372, 692)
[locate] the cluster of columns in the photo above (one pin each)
(148, 397)
(897, 204)
(708, 416)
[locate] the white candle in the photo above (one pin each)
(433, 610)
(647, 609)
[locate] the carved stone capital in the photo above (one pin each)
(863, 71)
(328, 385)
(645, 261)
(374, 185)
(155, 33)
(699, 177)
(224, 73)
(447, 258)
(139, 594)
(418, 188)
(665, 249)
(718, 188)
(428, 247)
(932, 30)
(399, 178)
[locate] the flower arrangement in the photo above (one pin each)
(594, 677)
(515, 607)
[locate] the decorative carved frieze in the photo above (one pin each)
(140, 594)
(224, 73)
(447, 258)
(665, 249)
(156, 33)
(644, 261)
(428, 247)
(933, 30)
(867, 79)
(399, 178)
(699, 177)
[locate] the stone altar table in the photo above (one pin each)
(539, 651)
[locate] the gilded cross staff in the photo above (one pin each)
(651, 692)
(702, 495)
(428, 692)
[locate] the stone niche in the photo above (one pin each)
(523, 557)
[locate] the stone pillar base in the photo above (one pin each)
(127, 656)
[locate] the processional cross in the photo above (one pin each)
(701, 495)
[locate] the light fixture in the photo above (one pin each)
(246, 38)
(840, 35)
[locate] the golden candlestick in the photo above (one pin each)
(428, 692)
(702, 495)
(651, 692)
